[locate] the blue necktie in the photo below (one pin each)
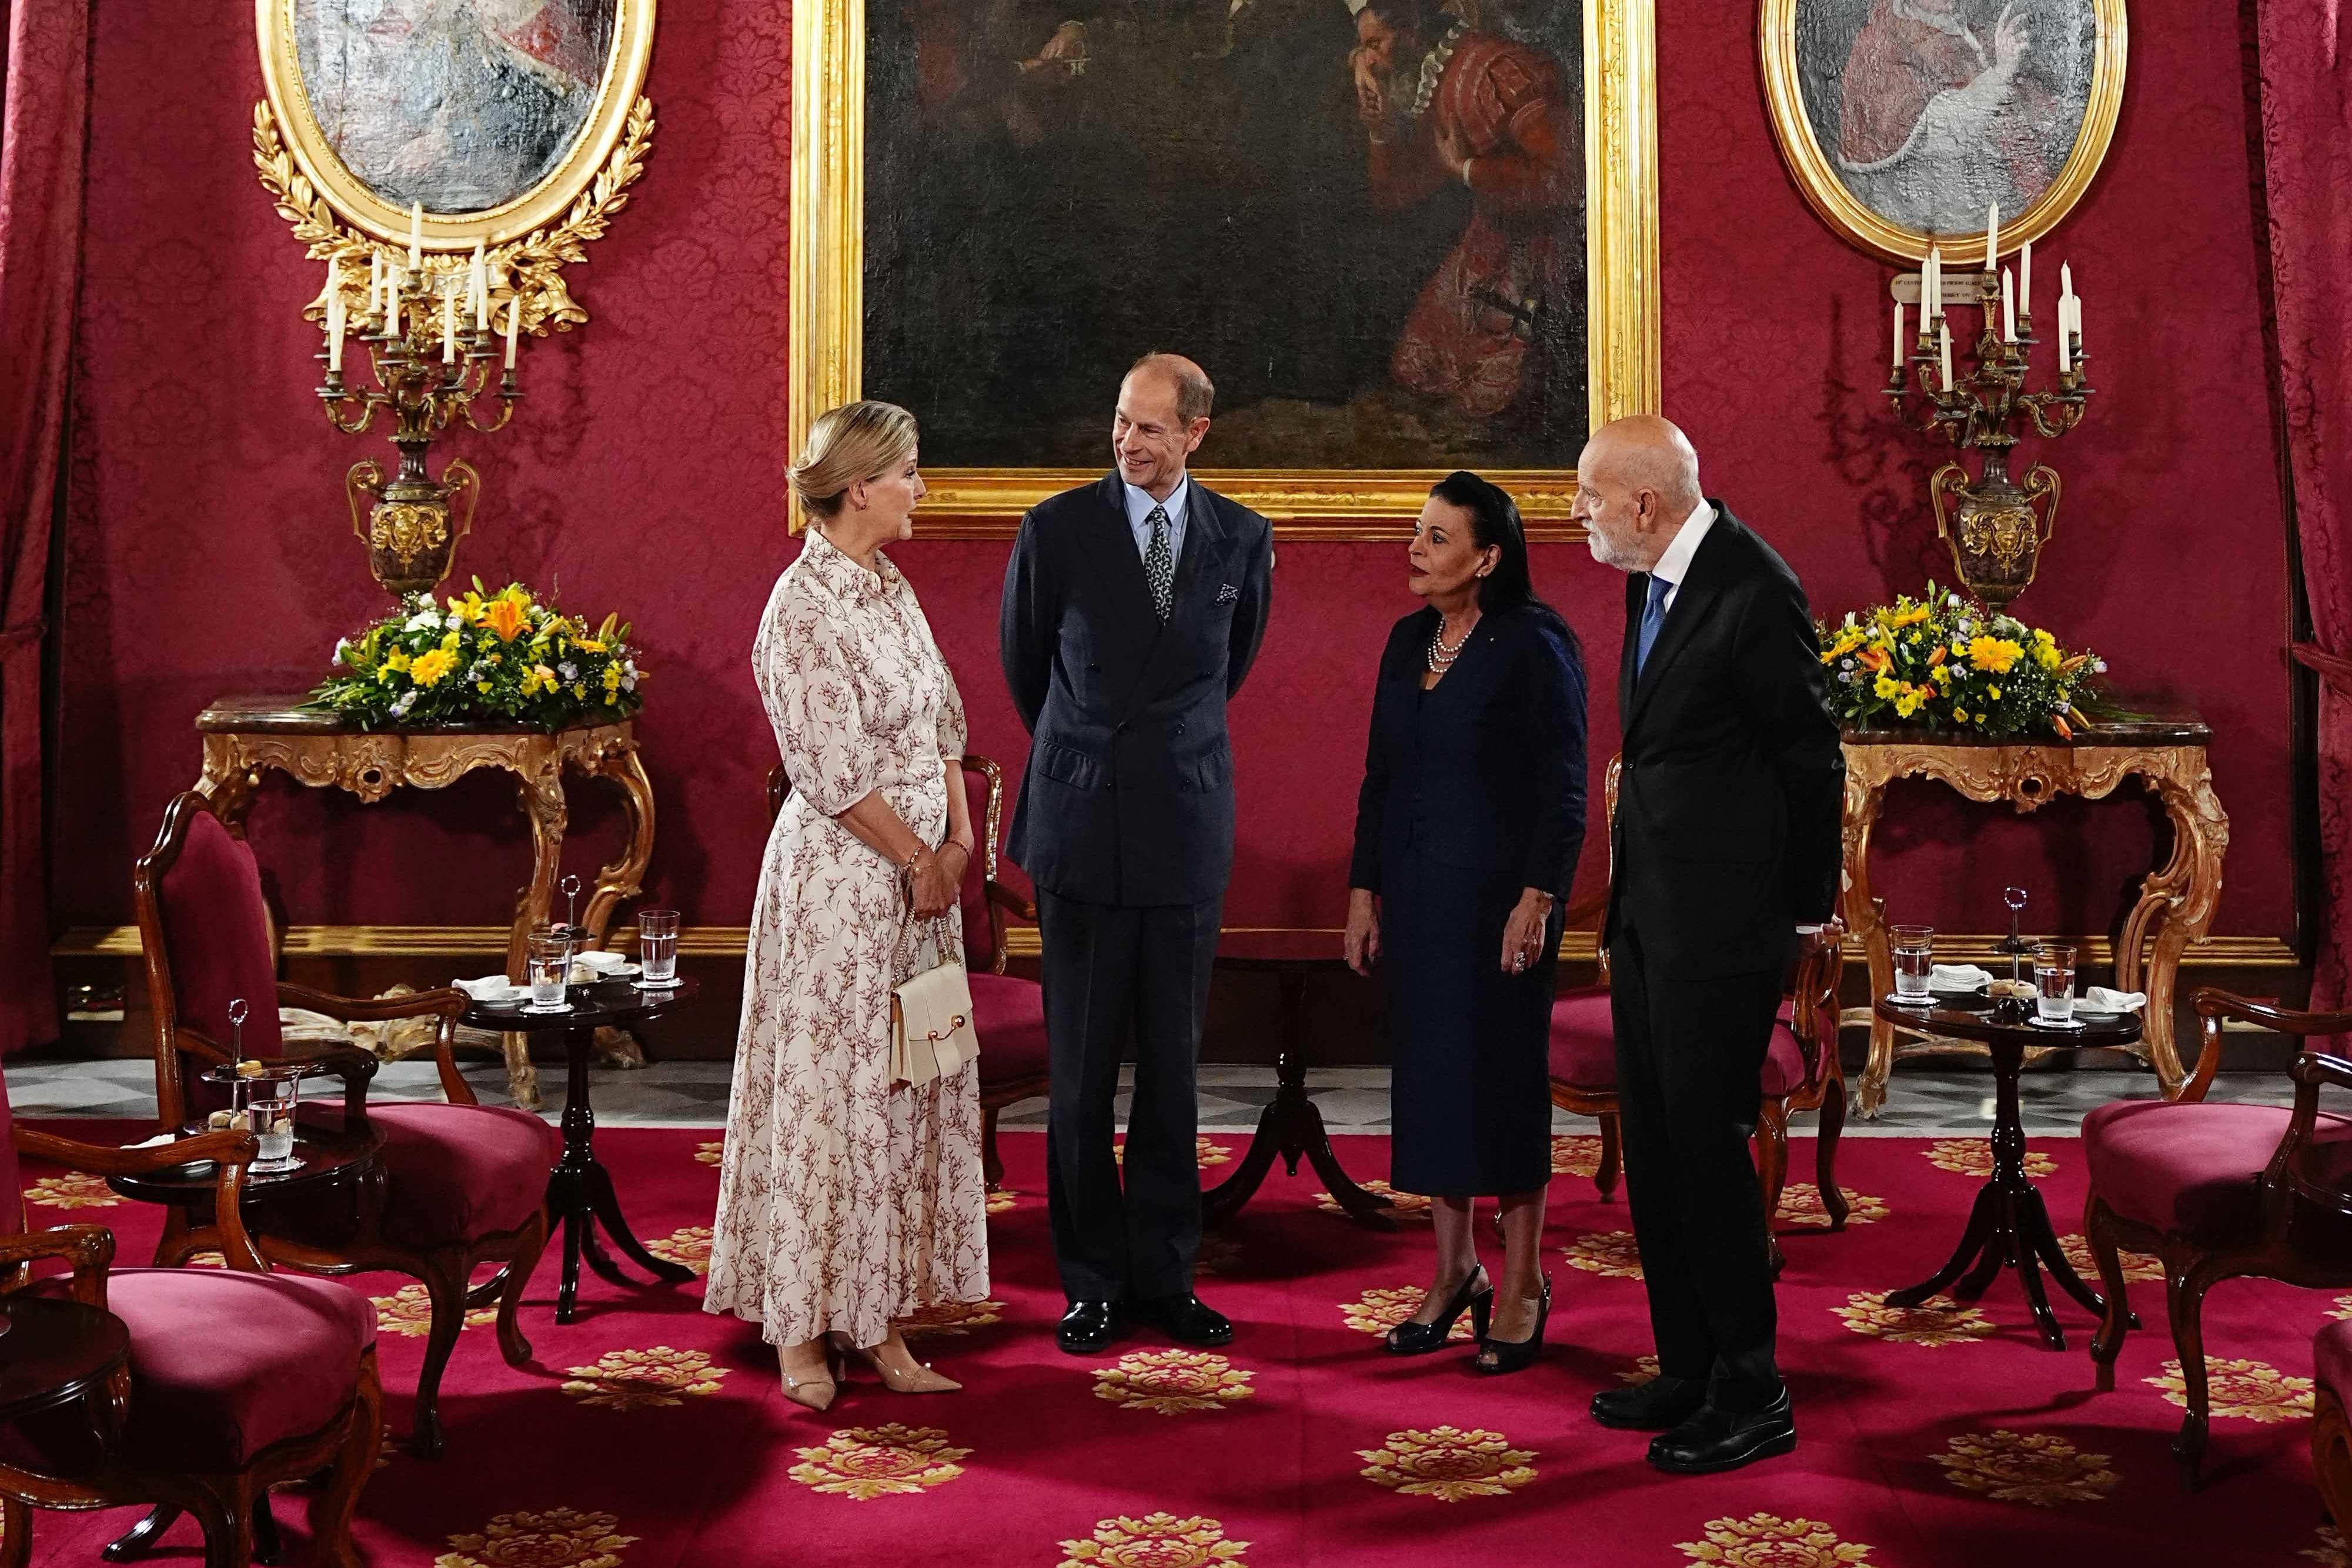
(1653, 615)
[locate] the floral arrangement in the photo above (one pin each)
(510, 657)
(1943, 663)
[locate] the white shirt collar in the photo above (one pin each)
(1139, 504)
(1676, 564)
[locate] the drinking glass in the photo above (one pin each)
(269, 1102)
(548, 961)
(1914, 960)
(657, 947)
(2054, 983)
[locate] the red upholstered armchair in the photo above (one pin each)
(1009, 1012)
(236, 1381)
(465, 1184)
(2219, 1192)
(1800, 1065)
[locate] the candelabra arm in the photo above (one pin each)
(508, 395)
(359, 420)
(2040, 404)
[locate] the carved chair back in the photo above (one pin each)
(205, 932)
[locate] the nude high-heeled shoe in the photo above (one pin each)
(914, 1377)
(805, 1389)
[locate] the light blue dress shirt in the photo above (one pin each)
(1139, 517)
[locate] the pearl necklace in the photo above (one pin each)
(1441, 657)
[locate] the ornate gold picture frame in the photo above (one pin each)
(1889, 112)
(829, 167)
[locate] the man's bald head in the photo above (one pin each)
(1196, 395)
(1161, 417)
(1637, 481)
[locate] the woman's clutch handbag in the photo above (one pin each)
(932, 1035)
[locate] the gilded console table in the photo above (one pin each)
(2176, 902)
(245, 736)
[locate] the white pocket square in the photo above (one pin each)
(1228, 593)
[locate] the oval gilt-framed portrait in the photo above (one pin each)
(1904, 120)
(492, 115)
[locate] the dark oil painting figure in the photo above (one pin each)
(1365, 218)
(460, 105)
(1932, 109)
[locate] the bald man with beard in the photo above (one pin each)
(1725, 850)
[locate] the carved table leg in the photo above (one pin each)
(624, 878)
(541, 794)
(1865, 792)
(2175, 903)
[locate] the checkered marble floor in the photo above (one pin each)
(1921, 1101)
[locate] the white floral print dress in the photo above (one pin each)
(844, 1203)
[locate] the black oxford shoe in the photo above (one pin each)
(1184, 1319)
(1717, 1439)
(1086, 1327)
(1658, 1405)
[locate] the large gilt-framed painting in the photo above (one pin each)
(1402, 236)
(1904, 120)
(491, 116)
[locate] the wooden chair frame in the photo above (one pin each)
(223, 1502)
(1814, 1022)
(2331, 1456)
(2292, 1194)
(1001, 901)
(447, 1271)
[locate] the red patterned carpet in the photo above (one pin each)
(651, 1434)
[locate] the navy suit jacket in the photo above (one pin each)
(1128, 795)
(1729, 807)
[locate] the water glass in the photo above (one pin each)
(268, 1109)
(2054, 983)
(657, 946)
(548, 961)
(1914, 960)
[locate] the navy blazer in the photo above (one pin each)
(1484, 771)
(1128, 795)
(1730, 803)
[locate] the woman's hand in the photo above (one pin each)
(1363, 940)
(1523, 933)
(934, 887)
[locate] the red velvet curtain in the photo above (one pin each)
(2305, 50)
(44, 131)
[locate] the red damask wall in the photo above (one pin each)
(208, 550)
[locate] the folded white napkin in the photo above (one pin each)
(2099, 1000)
(597, 961)
(492, 988)
(1958, 977)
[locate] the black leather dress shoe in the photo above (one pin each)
(1717, 1439)
(1086, 1327)
(1658, 1405)
(1184, 1319)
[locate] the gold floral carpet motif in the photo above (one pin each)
(1973, 1158)
(2037, 1467)
(409, 1311)
(891, 1460)
(1383, 1307)
(1173, 1382)
(648, 1379)
(1612, 1254)
(1937, 1320)
(75, 1189)
(1768, 1540)
(556, 1538)
(2242, 1390)
(1448, 1463)
(1155, 1541)
(1801, 1204)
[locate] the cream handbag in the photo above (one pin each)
(931, 1032)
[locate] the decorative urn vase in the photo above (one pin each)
(1994, 529)
(412, 529)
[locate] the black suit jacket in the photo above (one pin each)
(1484, 771)
(1129, 796)
(1729, 809)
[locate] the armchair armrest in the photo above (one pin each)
(2289, 1171)
(445, 1002)
(1820, 963)
(232, 1150)
(86, 1249)
(1011, 903)
(2216, 1008)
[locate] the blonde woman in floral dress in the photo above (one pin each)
(846, 1204)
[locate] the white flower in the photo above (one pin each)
(2098, 666)
(568, 670)
(452, 623)
(405, 701)
(425, 620)
(1953, 599)
(342, 646)
(1849, 620)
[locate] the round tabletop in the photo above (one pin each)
(604, 1003)
(2008, 1021)
(328, 1148)
(56, 1350)
(1291, 950)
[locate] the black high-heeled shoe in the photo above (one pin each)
(1476, 1292)
(1496, 1356)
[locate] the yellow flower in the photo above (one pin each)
(540, 678)
(1993, 692)
(1958, 716)
(1942, 673)
(1911, 617)
(2045, 654)
(396, 661)
(431, 666)
(580, 690)
(1908, 703)
(468, 609)
(483, 687)
(1886, 685)
(612, 677)
(590, 645)
(1994, 655)
(450, 641)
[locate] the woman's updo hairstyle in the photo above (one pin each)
(856, 442)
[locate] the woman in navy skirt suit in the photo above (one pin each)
(1467, 830)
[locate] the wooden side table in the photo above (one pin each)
(245, 736)
(2176, 902)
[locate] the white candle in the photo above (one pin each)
(2074, 316)
(481, 296)
(1898, 337)
(375, 281)
(335, 332)
(416, 234)
(514, 314)
(1944, 352)
(2025, 281)
(391, 310)
(449, 322)
(1992, 234)
(2066, 278)
(2007, 310)
(2065, 351)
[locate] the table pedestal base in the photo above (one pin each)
(580, 1194)
(1291, 1127)
(141, 1538)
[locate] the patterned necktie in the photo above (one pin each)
(1159, 564)
(1653, 615)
